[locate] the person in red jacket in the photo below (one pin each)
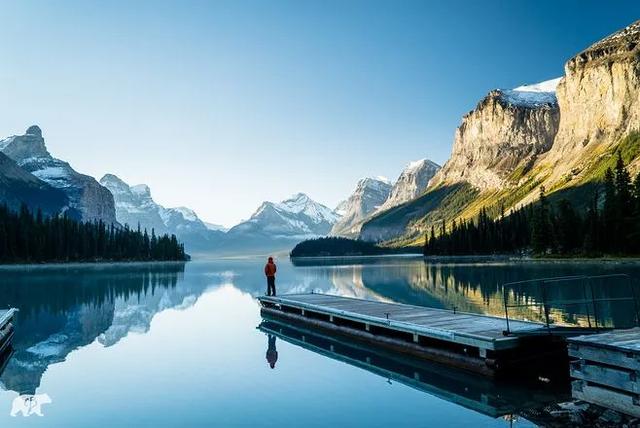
(270, 272)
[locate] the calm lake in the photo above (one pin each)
(184, 344)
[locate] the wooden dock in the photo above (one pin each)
(469, 390)
(607, 368)
(469, 341)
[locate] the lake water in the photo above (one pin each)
(179, 345)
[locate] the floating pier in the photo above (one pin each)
(469, 390)
(473, 342)
(607, 368)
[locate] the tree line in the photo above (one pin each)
(609, 225)
(26, 237)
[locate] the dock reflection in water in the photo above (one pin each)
(491, 398)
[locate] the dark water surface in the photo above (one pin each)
(184, 345)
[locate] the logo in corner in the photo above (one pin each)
(29, 404)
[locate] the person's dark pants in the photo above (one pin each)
(271, 286)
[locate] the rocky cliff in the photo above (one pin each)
(18, 186)
(507, 130)
(599, 102)
(412, 183)
(495, 146)
(85, 194)
(368, 196)
(134, 204)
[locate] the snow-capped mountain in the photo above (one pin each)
(134, 205)
(412, 183)
(85, 194)
(368, 196)
(217, 227)
(298, 217)
(535, 95)
(17, 186)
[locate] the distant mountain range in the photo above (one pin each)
(135, 206)
(376, 195)
(29, 174)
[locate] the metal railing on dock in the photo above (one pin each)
(539, 295)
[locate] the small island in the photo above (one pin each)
(344, 247)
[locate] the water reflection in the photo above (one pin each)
(478, 287)
(272, 352)
(474, 392)
(91, 308)
(62, 309)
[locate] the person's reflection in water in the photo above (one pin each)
(272, 353)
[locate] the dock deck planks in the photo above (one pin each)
(482, 331)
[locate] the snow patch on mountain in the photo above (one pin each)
(534, 95)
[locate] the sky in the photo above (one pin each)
(220, 105)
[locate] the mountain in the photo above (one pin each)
(217, 227)
(412, 183)
(17, 186)
(561, 134)
(494, 146)
(279, 226)
(134, 205)
(368, 196)
(85, 194)
(507, 130)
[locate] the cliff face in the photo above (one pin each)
(86, 195)
(412, 183)
(368, 196)
(17, 186)
(508, 129)
(494, 147)
(599, 100)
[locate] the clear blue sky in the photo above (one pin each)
(220, 105)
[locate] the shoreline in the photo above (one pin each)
(480, 258)
(16, 266)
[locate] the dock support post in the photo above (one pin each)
(415, 338)
(367, 327)
(483, 353)
(330, 318)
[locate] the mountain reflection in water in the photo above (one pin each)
(67, 308)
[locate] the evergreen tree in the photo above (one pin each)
(609, 213)
(541, 226)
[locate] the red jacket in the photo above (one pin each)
(270, 269)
